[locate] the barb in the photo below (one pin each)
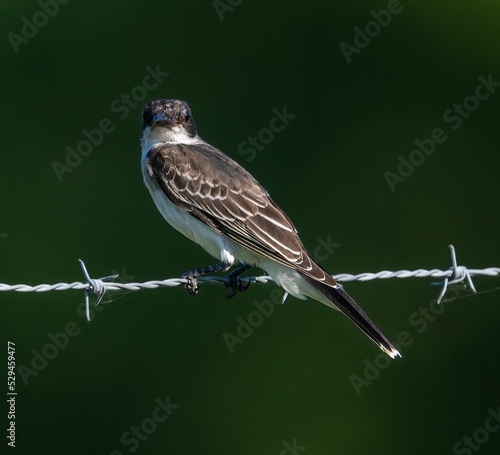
(97, 287)
(459, 274)
(100, 286)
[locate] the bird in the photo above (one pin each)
(216, 203)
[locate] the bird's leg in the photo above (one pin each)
(192, 285)
(235, 282)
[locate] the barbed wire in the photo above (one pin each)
(455, 274)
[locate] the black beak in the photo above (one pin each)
(161, 120)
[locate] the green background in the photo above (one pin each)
(291, 379)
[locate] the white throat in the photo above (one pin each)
(175, 135)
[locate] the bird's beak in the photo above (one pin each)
(161, 120)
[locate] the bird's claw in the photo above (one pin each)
(192, 283)
(236, 285)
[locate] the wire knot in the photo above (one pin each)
(96, 286)
(458, 274)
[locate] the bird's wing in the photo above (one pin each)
(219, 192)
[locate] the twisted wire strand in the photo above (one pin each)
(154, 284)
(455, 274)
(98, 287)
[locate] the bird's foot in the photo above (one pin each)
(192, 283)
(192, 275)
(236, 285)
(234, 281)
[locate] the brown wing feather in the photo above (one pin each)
(229, 200)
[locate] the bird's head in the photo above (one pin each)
(168, 121)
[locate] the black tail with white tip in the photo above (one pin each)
(345, 303)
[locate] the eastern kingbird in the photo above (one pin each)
(216, 203)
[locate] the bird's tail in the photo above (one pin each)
(345, 303)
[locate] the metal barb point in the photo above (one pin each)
(459, 273)
(96, 286)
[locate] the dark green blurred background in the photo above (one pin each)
(289, 384)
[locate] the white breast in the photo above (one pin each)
(212, 242)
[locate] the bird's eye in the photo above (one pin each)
(187, 116)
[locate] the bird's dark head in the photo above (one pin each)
(168, 121)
